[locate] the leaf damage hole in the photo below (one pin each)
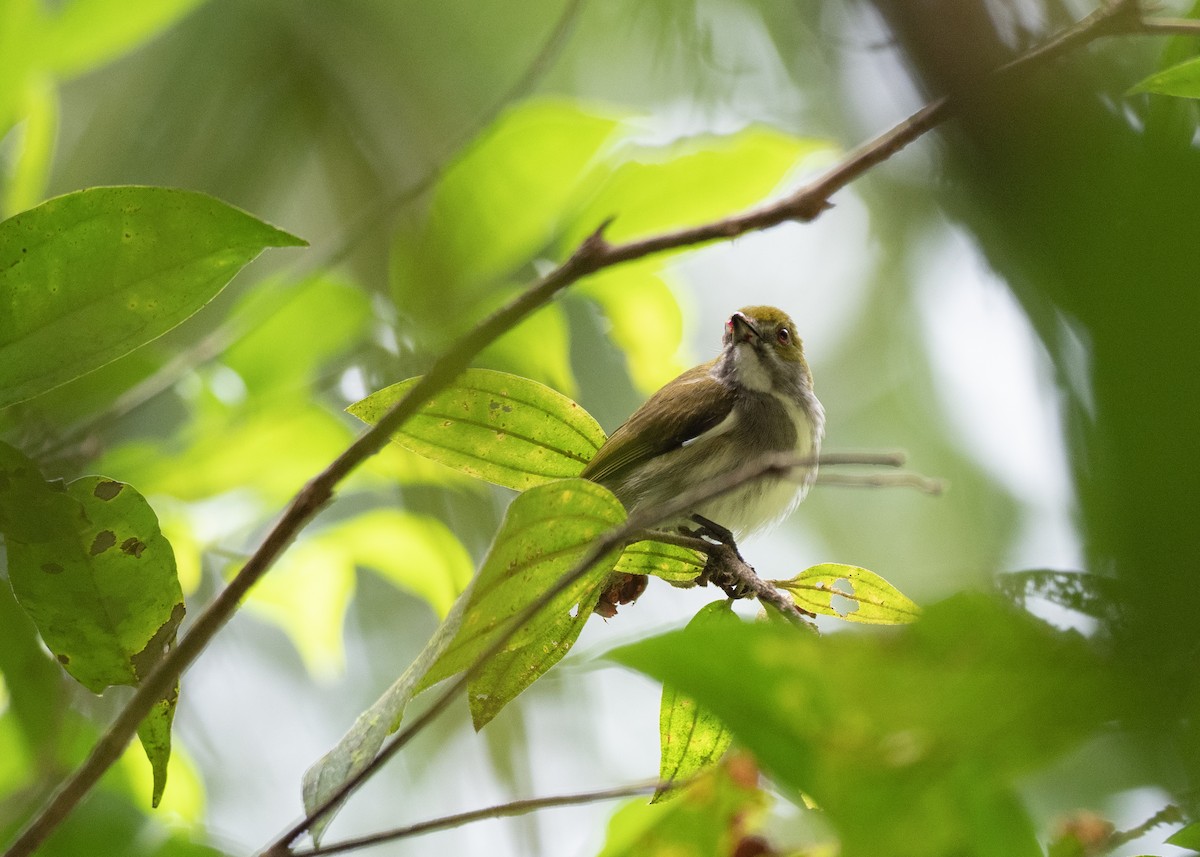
(842, 598)
(52, 568)
(103, 541)
(107, 489)
(64, 659)
(133, 546)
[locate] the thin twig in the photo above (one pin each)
(1169, 814)
(924, 484)
(594, 254)
(1170, 26)
(503, 810)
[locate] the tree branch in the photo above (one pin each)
(516, 807)
(594, 254)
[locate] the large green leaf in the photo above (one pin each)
(498, 205)
(105, 598)
(545, 533)
(691, 737)
(908, 740)
(494, 426)
(89, 276)
(690, 182)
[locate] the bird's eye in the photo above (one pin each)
(783, 335)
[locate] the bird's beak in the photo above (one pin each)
(741, 328)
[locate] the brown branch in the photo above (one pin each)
(1170, 814)
(503, 810)
(594, 254)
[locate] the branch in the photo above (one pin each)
(516, 807)
(593, 254)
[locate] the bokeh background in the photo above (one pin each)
(439, 155)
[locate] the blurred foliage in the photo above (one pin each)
(402, 141)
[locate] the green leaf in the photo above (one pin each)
(498, 204)
(872, 600)
(505, 675)
(31, 510)
(1186, 837)
(105, 598)
(909, 740)
(494, 426)
(34, 143)
(308, 592)
(86, 33)
(669, 562)
(1086, 593)
(545, 533)
(711, 816)
(644, 319)
(691, 737)
(691, 182)
(32, 679)
(1181, 80)
(362, 743)
(92, 275)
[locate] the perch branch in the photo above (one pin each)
(593, 254)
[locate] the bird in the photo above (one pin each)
(756, 398)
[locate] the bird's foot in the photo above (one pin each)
(723, 558)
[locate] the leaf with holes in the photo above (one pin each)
(494, 426)
(692, 738)
(90, 276)
(873, 601)
(105, 598)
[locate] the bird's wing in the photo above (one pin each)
(681, 411)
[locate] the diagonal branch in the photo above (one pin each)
(594, 254)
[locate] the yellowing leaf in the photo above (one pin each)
(494, 426)
(545, 533)
(667, 562)
(871, 599)
(691, 737)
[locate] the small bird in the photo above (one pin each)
(756, 398)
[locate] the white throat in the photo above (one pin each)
(750, 371)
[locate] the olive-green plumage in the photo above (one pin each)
(755, 398)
